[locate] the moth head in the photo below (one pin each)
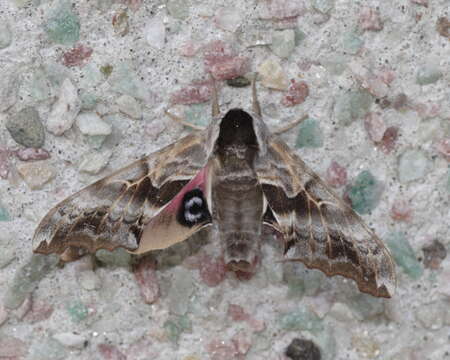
(238, 127)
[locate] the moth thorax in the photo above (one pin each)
(241, 247)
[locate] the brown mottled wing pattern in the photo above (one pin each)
(113, 211)
(319, 229)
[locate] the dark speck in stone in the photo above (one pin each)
(301, 349)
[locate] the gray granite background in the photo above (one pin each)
(369, 66)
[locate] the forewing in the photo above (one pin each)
(176, 221)
(319, 229)
(114, 211)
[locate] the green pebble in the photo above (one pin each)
(119, 257)
(448, 180)
(56, 73)
(309, 134)
(125, 81)
(197, 114)
(103, 5)
(404, 255)
(5, 34)
(292, 275)
(77, 311)
(413, 164)
(40, 89)
(352, 105)
(352, 43)
(296, 288)
(172, 331)
(106, 70)
(428, 75)
(283, 42)
(26, 128)
(91, 77)
(47, 349)
(336, 65)
(20, 3)
(240, 81)
(184, 323)
(178, 8)
(63, 26)
(27, 278)
(95, 142)
(324, 6)
(365, 306)
(175, 326)
(365, 192)
(4, 215)
(301, 320)
(88, 101)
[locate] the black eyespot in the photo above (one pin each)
(193, 209)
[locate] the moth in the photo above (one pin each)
(235, 177)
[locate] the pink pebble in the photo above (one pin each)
(427, 111)
(241, 342)
(443, 147)
(110, 352)
(77, 56)
(12, 348)
(217, 51)
(222, 62)
(230, 69)
(369, 19)
(40, 311)
(133, 4)
(32, 154)
(296, 94)
(194, 262)
(386, 75)
(420, 2)
(4, 162)
(336, 175)
(142, 349)
(237, 313)
(220, 350)
(256, 325)
(387, 143)
(145, 275)
(284, 9)
(25, 308)
(212, 271)
(195, 93)
(228, 18)
(189, 48)
(401, 211)
(375, 126)
(3, 314)
(377, 87)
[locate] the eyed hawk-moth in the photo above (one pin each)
(235, 177)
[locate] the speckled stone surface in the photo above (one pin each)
(377, 76)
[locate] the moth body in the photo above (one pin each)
(236, 195)
(236, 177)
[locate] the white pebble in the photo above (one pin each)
(89, 280)
(272, 75)
(155, 33)
(129, 106)
(64, 110)
(36, 174)
(92, 125)
(70, 340)
(94, 161)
